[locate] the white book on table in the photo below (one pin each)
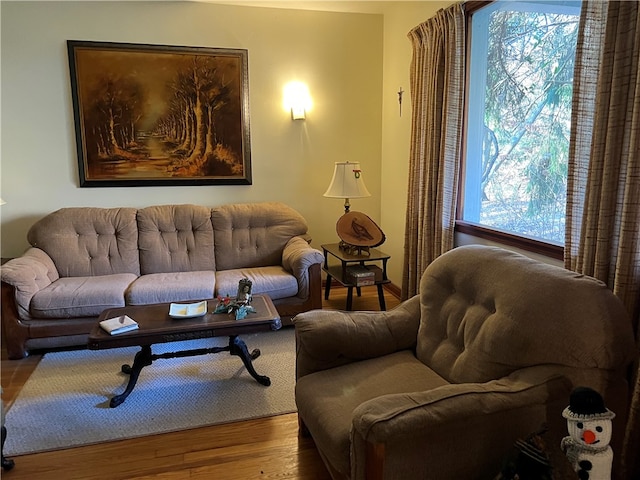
(117, 325)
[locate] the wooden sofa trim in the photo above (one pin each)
(16, 332)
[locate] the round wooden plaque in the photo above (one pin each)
(356, 228)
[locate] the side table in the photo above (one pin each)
(339, 272)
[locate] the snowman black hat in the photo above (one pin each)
(586, 404)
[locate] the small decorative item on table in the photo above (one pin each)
(244, 291)
(239, 306)
(360, 275)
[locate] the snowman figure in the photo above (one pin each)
(589, 424)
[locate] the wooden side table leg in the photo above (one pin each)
(383, 305)
(327, 287)
(359, 291)
(349, 298)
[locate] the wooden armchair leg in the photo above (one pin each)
(303, 431)
(374, 465)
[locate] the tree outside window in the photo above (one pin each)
(519, 117)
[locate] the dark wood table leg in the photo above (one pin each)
(327, 287)
(383, 306)
(7, 463)
(349, 298)
(239, 348)
(142, 359)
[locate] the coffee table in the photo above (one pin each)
(156, 326)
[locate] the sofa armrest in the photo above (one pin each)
(329, 338)
(457, 430)
(28, 274)
(297, 257)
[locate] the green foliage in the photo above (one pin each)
(528, 120)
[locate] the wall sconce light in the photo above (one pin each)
(298, 113)
(297, 100)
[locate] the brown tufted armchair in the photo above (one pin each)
(441, 386)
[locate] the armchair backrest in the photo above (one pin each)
(487, 311)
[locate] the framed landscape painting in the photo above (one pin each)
(160, 115)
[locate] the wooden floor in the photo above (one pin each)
(268, 448)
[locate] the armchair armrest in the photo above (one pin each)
(436, 429)
(297, 257)
(329, 338)
(28, 274)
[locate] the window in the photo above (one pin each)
(519, 117)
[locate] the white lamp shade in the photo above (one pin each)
(347, 182)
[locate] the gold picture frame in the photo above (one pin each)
(156, 115)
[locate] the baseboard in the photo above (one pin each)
(393, 289)
(389, 287)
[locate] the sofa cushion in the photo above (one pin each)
(80, 296)
(326, 400)
(254, 234)
(175, 238)
(273, 281)
(171, 287)
(87, 241)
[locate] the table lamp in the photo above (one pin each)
(356, 230)
(347, 183)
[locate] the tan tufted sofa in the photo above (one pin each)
(85, 260)
(441, 386)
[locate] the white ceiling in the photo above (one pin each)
(355, 6)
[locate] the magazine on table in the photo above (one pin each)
(117, 325)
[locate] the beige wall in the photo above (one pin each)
(353, 63)
(396, 132)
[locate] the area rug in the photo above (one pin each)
(65, 402)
